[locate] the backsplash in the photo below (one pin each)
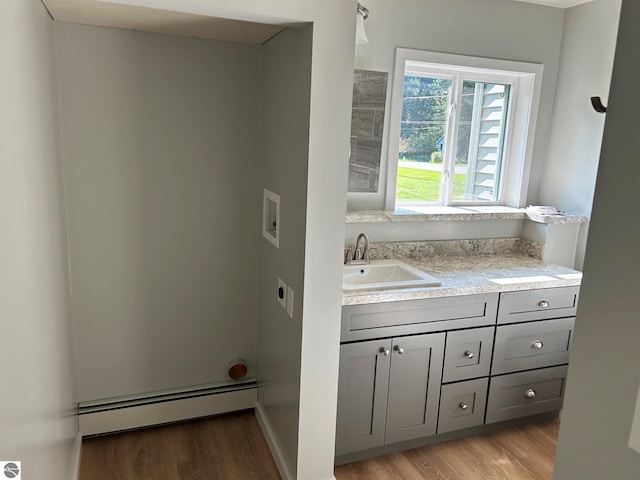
(367, 125)
(490, 246)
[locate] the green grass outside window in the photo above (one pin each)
(417, 185)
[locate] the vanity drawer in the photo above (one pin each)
(538, 304)
(532, 345)
(376, 320)
(526, 393)
(462, 405)
(468, 354)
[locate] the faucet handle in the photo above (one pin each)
(348, 255)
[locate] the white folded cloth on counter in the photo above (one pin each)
(544, 210)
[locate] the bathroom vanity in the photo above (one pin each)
(490, 345)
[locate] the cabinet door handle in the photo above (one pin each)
(399, 349)
(463, 406)
(384, 351)
(537, 344)
(543, 304)
(531, 393)
(469, 354)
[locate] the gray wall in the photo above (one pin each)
(37, 417)
(160, 142)
(501, 29)
(331, 80)
(284, 147)
(586, 60)
(604, 376)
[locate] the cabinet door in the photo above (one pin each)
(462, 405)
(468, 354)
(414, 387)
(362, 395)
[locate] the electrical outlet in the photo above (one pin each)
(282, 293)
(289, 302)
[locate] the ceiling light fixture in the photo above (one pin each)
(361, 34)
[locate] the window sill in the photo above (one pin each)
(556, 219)
(448, 214)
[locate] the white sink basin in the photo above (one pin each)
(385, 274)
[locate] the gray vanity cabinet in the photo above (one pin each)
(388, 391)
(414, 387)
(362, 395)
(413, 369)
(530, 355)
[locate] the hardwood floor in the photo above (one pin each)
(224, 447)
(232, 447)
(523, 453)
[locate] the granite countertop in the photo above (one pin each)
(444, 214)
(473, 274)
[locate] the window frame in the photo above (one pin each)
(525, 80)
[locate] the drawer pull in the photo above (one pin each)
(384, 351)
(543, 304)
(399, 349)
(463, 406)
(537, 344)
(531, 393)
(469, 354)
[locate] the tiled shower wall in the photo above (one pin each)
(367, 125)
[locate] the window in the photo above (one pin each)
(461, 130)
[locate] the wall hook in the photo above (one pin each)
(597, 105)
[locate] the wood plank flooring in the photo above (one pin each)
(523, 453)
(224, 447)
(232, 447)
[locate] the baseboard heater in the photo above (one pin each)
(156, 408)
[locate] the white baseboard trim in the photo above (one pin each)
(76, 457)
(272, 442)
(118, 416)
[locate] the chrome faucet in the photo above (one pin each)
(360, 255)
